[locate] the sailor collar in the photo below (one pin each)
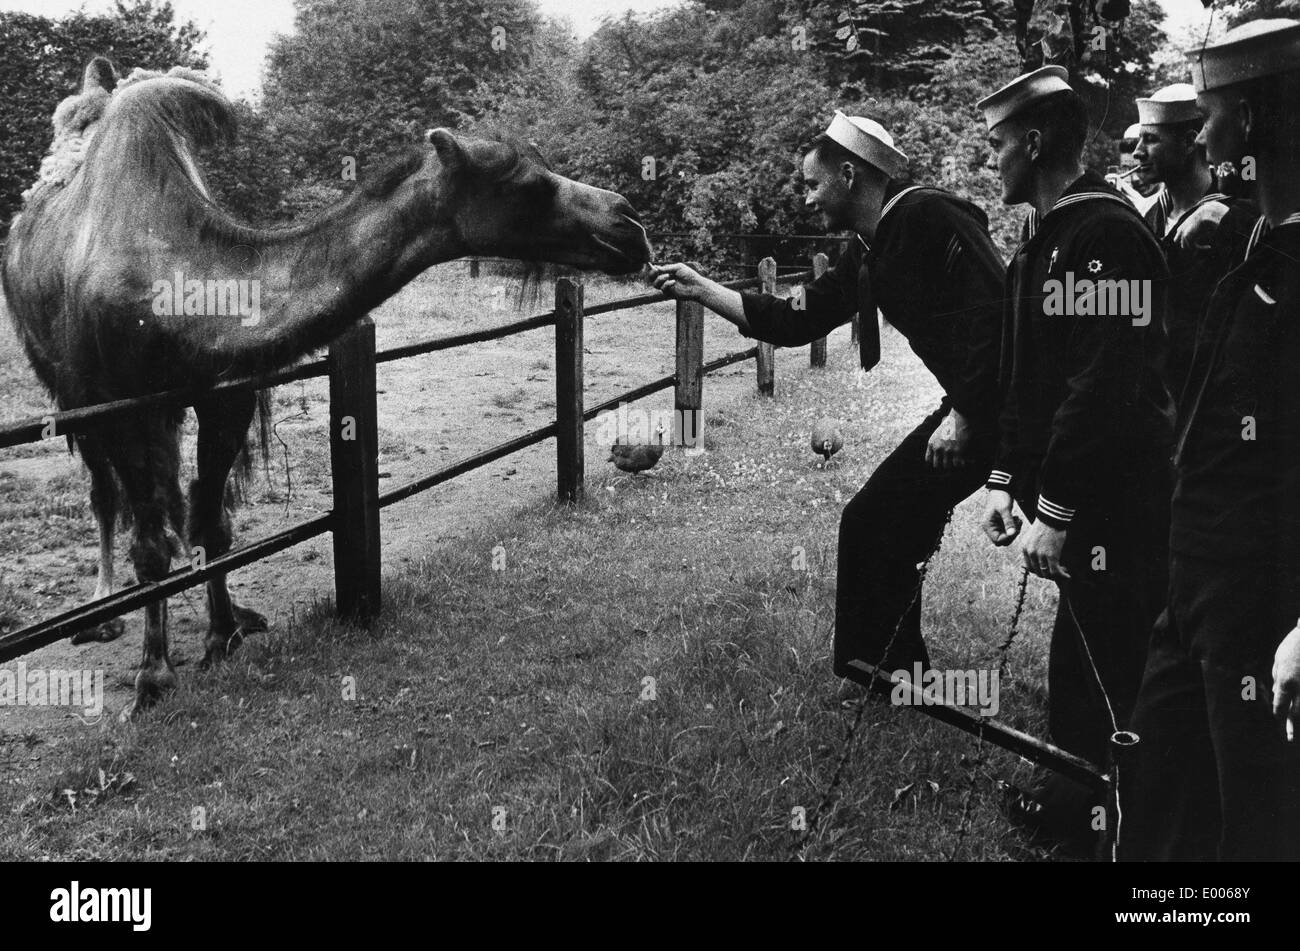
(1165, 204)
(888, 207)
(1262, 228)
(1071, 198)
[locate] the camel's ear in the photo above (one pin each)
(450, 153)
(99, 74)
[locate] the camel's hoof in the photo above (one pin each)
(250, 622)
(102, 633)
(150, 687)
(219, 648)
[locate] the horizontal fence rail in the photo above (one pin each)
(137, 596)
(352, 353)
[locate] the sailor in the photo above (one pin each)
(1186, 216)
(922, 257)
(1127, 177)
(1085, 426)
(1217, 776)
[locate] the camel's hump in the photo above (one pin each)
(178, 98)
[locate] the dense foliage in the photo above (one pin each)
(697, 113)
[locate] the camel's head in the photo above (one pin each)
(505, 201)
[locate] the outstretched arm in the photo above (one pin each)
(815, 310)
(682, 282)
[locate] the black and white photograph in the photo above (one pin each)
(652, 431)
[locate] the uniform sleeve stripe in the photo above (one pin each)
(998, 477)
(954, 252)
(1058, 512)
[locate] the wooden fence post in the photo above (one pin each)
(569, 462)
(354, 467)
(817, 353)
(688, 395)
(766, 353)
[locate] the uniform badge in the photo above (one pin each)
(1094, 266)
(1051, 262)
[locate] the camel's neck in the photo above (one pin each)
(297, 289)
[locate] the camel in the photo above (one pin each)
(91, 263)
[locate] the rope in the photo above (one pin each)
(1005, 647)
(1110, 711)
(977, 764)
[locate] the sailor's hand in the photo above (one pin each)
(1000, 522)
(947, 446)
(678, 281)
(1286, 682)
(1040, 550)
(1197, 231)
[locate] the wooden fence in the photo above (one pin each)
(354, 520)
(351, 368)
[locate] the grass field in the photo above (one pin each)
(644, 676)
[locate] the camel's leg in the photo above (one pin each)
(223, 427)
(147, 461)
(103, 501)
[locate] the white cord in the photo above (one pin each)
(1119, 813)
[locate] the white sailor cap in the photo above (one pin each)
(1176, 103)
(1132, 132)
(1022, 92)
(869, 141)
(1253, 50)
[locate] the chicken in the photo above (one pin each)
(638, 458)
(826, 439)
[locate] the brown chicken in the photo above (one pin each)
(639, 458)
(826, 439)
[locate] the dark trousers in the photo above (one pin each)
(1099, 649)
(885, 530)
(1117, 557)
(1214, 776)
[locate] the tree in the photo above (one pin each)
(898, 43)
(1243, 11)
(695, 115)
(361, 78)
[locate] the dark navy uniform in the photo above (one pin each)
(1086, 429)
(1193, 272)
(934, 273)
(1216, 777)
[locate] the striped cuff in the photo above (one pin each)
(999, 480)
(1056, 516)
